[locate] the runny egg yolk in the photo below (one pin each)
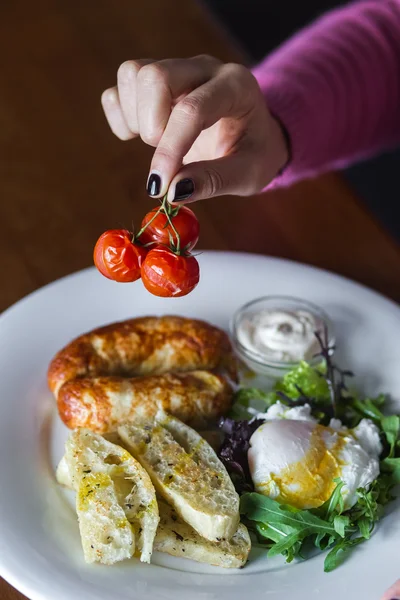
(296, 462)
(310, 481)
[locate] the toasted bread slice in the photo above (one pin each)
(116, 503)
(177, 538)
(186, 472)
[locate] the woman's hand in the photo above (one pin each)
(208, 121)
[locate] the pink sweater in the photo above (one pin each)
(335, 86)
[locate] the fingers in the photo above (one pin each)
(119, 104)
(169, 104)
(221, 97)
(127, 90)
(160, 85)
(146, 92)
(235, 174)
(114, 115)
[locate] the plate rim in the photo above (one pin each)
(277, 259)
(8, 574)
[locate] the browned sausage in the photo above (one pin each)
(143, 346)
(102, 404)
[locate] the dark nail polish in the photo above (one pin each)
(184, 189)
(154, 185)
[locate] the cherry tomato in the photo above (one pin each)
(117, 257)
(167, 274)
(159, 230)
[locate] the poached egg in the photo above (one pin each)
(294, 459)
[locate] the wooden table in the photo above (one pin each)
(64, 178)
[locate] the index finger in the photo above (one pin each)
(220, 97)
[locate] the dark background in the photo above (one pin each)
(260, 26)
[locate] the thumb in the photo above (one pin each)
(236, 174)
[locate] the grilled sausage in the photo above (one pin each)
(143, 346)
(102, 404)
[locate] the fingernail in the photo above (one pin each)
(183, 189)
(154, 185)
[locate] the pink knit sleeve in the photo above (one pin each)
(335, 87)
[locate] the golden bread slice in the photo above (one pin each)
(186, 471)
(177, 538)
(116, 503)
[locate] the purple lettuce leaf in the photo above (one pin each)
(233, 451)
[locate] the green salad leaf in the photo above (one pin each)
(339, 553)
(254, 397)
(390, 426)
(335, 504)
(294, 533)
(392, 466)
(266, 510)
(288, 531)
(307, 381)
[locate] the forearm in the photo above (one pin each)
(335, 87)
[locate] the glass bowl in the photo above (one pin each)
(258, 362)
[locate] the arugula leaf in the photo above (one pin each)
(379, 400)
(364, 525)
(367, 408)
(392, 466)
(322, 542)
(288, 530)
(335, 504)
(339, 553)
(390, 426)
(258, 507)
(274, 532)
(294, 552)
(287, 543)
(341, 524)
(367, 508)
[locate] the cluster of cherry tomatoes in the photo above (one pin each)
(159, 253)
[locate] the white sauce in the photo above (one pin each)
(279, 335)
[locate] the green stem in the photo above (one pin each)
(166, 210)
(151, 220)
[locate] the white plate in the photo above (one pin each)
(40, 551)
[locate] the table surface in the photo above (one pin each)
(65, 178)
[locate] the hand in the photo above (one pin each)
(392, 593)
(208, 121)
